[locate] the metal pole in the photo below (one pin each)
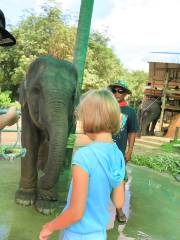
(82, 37)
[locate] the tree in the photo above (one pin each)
(49, 34)
(137, 81)
(102, 65)
(45, 34)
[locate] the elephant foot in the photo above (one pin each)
(46, 207)
(25, 197)
(46, 202)
(151, 133)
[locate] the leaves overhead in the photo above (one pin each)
(48, 33)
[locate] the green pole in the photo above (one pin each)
(82, 37)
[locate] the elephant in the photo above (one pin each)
(48, 97)
(148, 114)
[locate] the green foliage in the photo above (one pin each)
(162, 163)
(169, 147)
(136, 81)
(5, 100)
(102, 65)
(45, 34)
(48, 33)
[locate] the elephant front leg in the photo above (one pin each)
(47, 199)
(26, 193)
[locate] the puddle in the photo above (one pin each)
(4, 231)
(152, 206)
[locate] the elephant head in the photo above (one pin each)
(48, 97)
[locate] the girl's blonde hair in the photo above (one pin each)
(98, 111)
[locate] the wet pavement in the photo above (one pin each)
(154, 210)
(152, 206)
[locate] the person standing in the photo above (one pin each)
(125, 138)
(7, 39)
(86, 214)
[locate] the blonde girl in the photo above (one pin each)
(98, 171)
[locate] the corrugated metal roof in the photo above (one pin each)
(164, 57)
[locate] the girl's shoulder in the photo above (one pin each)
(84, 158)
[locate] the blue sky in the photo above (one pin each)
(135, 27)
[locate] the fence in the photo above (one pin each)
(16, 129)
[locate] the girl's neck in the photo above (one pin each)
(101, 137)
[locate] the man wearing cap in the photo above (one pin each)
(7, 39)
(129, 128)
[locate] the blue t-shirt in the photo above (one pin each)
(105, 166)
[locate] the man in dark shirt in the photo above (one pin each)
(129, 128)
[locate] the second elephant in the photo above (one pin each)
(148, 114)
(48, 98)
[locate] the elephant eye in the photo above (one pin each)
(73, 96)
(36, 90)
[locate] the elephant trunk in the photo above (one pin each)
(58, 134)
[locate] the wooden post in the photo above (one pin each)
(163, 101)
(176, 135)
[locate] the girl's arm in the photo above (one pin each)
(117, 195)
(77, 205)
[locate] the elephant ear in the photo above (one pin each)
(22, 93)
(77, 91)
(76, 97)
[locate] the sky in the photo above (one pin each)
(135, 27)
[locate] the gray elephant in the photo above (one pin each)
(148, 114)
(48, 98)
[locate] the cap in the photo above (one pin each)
(122, 84)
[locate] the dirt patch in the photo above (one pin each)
(139, 150)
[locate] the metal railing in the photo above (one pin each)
(17, 129)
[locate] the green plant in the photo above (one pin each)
(162, 163)
(5, 100)
(169, 147)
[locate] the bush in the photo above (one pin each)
(162, 163)
(5, 100)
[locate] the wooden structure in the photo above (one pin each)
(164, 81)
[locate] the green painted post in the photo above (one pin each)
(82, 37)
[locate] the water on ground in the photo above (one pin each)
(152, 206)
(154, 212)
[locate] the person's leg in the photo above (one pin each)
(120, 216)
(95, 236)
(61, 235)
(67, 235)
(92, 236)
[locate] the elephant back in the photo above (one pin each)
(152, 104)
